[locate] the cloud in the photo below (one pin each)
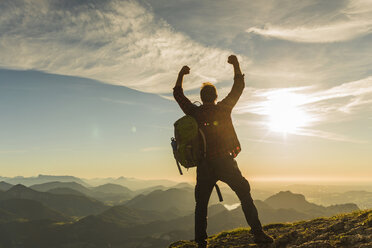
(355, 88)
(117, 42)
(353, 21)
(124, 43)
(318, 34)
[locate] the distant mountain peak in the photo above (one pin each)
(20, 190)
(19, 187)
(285, 196)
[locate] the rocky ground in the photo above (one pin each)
(347, 230)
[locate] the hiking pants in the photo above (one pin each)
(226, 170)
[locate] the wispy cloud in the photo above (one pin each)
(317, 34)
(118, 42)
(123, 42)
(354, 21)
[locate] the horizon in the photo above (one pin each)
(279, 180)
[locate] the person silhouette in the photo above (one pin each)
(222, 146)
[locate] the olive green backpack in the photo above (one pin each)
(186, 146)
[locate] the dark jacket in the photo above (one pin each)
(215, 120)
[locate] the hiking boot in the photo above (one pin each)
(262, 238)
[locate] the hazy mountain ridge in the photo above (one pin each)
(320, 194)
(44, 187)
(163, 200)
(148, 217)
(71, 205)
(65, 191)
(360, 197)
(109, 193)
(131, 183)
(154, 219)
(288, 200)
(28, 181)
(335, 194)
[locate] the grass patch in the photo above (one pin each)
(277, 225)
(235, 232)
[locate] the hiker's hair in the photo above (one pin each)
(208, 93)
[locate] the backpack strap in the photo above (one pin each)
(174, 148)
(218, 192)
(204, 143)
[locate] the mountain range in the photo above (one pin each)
(69, 214)
(28, 181)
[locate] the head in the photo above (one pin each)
(208, 93)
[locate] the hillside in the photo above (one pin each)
(5, 186)
(159, 200)
(347, 230)
(127, 217)
(71, 205)
(28, 210)
(64, 191)
(180, 199)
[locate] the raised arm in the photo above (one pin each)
(185, 70)
(237, 89)
(185, 104)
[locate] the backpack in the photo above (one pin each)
(186, 146)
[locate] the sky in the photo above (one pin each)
(86, 86)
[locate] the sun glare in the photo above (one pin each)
(284, 111)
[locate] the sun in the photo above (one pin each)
(284, 112)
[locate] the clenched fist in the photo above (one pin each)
(232, 60)
(185, 70)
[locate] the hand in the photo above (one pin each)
(185, 70)
(232, 60)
